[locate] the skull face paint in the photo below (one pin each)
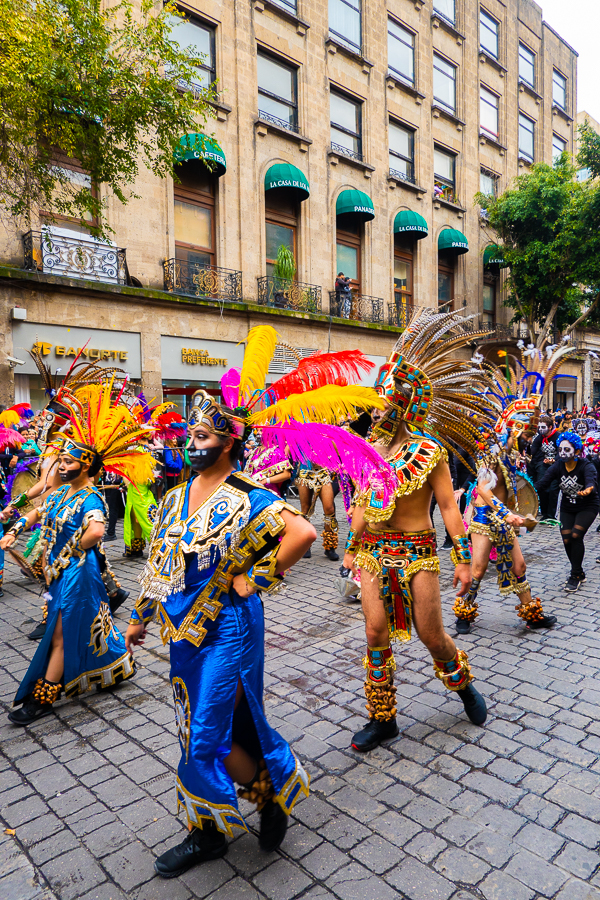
(543, 429)
(566, 451)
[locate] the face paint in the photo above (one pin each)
(543, 428)
(566, 450)
(204, 459)
(67, 475)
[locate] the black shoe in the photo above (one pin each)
(200, 845)
(117, 599)
(573, 584)
(109, 537)
(134, 554)
(38, 632)
(344, 572)
(582, 578)
(29, 712)
(447, 545)
(308, 554)
(463, 626)
(373, 734)
(273, 826)
(474, 704)
(1, 592)
(545, 622)
(332, 555)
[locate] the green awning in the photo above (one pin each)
(412, 223)
(198, 146)
(356, 204)
(493, 255)
(284, 175)
(453, 241)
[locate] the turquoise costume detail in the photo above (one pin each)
(217, 639)
(94, 650)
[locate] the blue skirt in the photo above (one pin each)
(94, 649)
(204, 681)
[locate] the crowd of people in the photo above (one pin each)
(204, 505)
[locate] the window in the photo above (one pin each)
(344, 22)
(194, 199)
(446, 9)
(488, 183)
(488, 34)
(559, 89)
(277, 92)
(445, 285)
(444, 83)
(583, 174)
(345, 125)
(281, 224)
(444, 168)
(348, 261)
(488, 112)
(190, 32)
(559, 145)
(401, 51)
(290, 6)
(403, 283)
(526, 137)
(526, 65)
(402, 152)
(489, 304)
(65, 167)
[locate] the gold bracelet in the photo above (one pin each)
(461, 551)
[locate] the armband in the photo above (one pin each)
(353, 542)
(461, 551)
(19, 526)
(20, 501)
(262, 577)
(135, 618)
(502, 510)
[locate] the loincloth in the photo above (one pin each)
(395, 557)
(502, 537)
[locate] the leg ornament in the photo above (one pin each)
(466, 607)
(260, 789)
(455, 673)
(379, 683)
(46, 692)
(330, 533)
(531, 612)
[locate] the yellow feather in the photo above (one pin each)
(327, 404)
(260, 347)
(9, 418)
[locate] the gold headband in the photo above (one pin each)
(206, 411)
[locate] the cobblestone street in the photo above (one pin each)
(446, 810)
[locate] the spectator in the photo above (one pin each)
(343, 295)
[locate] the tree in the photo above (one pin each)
(549, 229)
(106, 87)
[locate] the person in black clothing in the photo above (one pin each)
(580, 503)
(543, 455)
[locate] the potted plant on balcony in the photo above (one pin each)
(284, 272)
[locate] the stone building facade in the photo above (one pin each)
(355, 133)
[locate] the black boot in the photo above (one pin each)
(332, 555)
(273, 826)
(544, 622)
(463, 626)
(474, 704)
(373, 734)
(308, 554)
(29, 712)
(38, 632)
(117, 599)
(200, 845)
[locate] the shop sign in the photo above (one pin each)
(189, 360)
(60, 345)
(199, 357)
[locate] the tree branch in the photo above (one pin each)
(584, 315)
(547, 323)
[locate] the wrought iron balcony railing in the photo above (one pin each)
(345, 151)
(399, 313)
(60, 252)
(282, 294)
(359, 307)
(403, 176)
(202, 281)
(281, 123)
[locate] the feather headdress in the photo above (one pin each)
(433, 390)
(9, 438)
(167, 425)
(330, 404)
(260, 348)
(112, 431)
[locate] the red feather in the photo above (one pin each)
(344, 367)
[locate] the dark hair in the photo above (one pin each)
(547, 419)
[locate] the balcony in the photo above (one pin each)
(345, 151)
(400, 313)
(58, 251)
(355, 306)
(409, 176)
(202, 281)
(279, 123)
(294, 295)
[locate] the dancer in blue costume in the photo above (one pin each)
(218, 541)
(81, 646)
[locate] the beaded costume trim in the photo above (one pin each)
(413, 463)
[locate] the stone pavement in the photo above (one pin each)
(447, 810)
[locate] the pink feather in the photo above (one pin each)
(9, 438)
(335, 449)
(230, 387)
